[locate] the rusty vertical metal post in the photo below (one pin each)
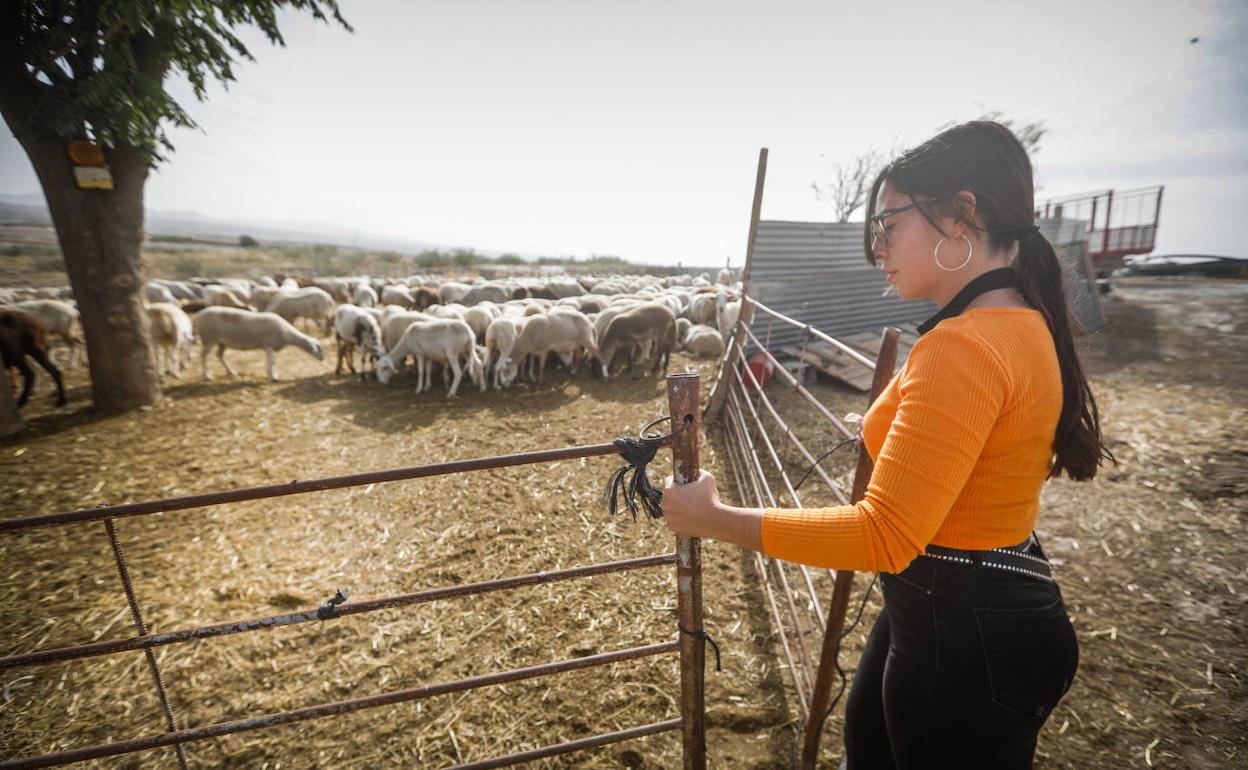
(1109, 210)
(682, 403)
(124, 571)
(1156, 216)
(821, 698)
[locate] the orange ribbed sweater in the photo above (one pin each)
(962, 442)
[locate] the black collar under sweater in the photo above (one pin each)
(1001, 278)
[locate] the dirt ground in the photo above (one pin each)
(1146, 555)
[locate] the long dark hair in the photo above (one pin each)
(985, 158)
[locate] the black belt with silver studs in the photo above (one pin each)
(1018, 559)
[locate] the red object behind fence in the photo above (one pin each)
(761, 367)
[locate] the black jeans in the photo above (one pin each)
(963, 666)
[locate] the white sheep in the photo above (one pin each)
(60, 319)
(480, 316)
(486, 291)
(395, 323)
(261, 296)
(154, 292)
(452, 291)
(181, 289)
(397, 294)
(500, 339)
(172, 335)
(435, 340)
(703, 341)
(356, 327)
(726, 313)
(224, 327)
(312, 303)
(563, 331)
(364, 295)
(218, 295)
(648, 323)
(702, 307)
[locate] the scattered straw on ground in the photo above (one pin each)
(1148, 557)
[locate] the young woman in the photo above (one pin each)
(973, 648)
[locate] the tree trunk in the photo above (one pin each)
(10, 418)
(101, 234)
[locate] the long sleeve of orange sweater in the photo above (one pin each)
(962, 442)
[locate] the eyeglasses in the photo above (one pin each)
(879, 234)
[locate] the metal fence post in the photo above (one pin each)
(822, 695)
(682, 402)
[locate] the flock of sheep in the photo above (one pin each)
(492, 331)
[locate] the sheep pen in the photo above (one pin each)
(1147, 555)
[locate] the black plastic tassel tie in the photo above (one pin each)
(329, 609)
(630, 480)
(704, 636)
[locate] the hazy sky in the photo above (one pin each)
(633, 128)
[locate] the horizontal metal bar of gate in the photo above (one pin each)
(310, 616)
(570, 746)
(337, 707)
(314, 485)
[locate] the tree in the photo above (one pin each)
(1029, 134)
(851, 181)
(85, 70)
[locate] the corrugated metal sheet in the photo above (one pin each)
(1070, 240)
(814, 272)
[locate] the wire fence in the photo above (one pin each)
(752, 428)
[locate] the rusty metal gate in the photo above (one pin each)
(688, 641)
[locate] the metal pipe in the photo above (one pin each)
(682, 402)
(124, 571)
(309, 616)
(799, 631)
(847, 350)
(760, 561)
(315, 485)
(569, 746)
(822, 694)
(330, 709)
(823, 410)
(801, 448)
(1109, 208)
(760, 488)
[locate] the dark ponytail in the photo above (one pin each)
(985, 158)
(1077, 442)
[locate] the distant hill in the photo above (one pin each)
(30, 209)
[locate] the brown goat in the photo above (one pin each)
(22, 335)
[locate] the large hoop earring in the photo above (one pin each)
(970, 249)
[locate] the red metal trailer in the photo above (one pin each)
(1120, 222)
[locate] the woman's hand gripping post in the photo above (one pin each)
(694, 510)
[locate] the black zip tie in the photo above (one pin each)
(704, 636)
(329, 610)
